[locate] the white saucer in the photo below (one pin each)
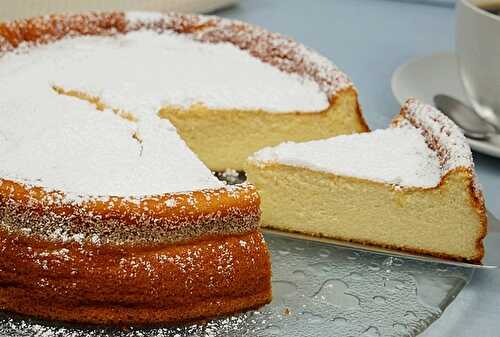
(425, 77)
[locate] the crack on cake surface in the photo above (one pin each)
(97, 102)
(101, 106)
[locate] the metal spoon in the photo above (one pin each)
(465, 117)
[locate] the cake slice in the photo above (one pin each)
(410, 187)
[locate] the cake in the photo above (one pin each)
(110, 125)
(410, 187)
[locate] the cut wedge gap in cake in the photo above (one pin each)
(96, 101)
(410, 187)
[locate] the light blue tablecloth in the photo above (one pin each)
(369, 39)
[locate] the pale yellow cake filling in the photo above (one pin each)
(226, 138)
(440, 220)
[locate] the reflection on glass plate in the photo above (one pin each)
(318, 290)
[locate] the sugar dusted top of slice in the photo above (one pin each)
(394, 156)
(134, 64)
(419, 148)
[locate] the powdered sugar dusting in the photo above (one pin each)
(394, 156)
(170, 69)
(421, 147)
(280, 51)
(63, 143)
(143, 16)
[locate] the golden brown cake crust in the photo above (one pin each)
(158, 260)
(166, 218)
(120, 261)
(115, 285)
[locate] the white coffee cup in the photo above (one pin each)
(478, 51)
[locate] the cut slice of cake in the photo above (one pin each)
(410, 187)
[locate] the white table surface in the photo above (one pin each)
(369, 39)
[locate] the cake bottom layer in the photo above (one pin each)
(124, 316)
(134, 286)
(444, 221)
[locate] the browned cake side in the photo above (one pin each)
(133, 285)
(167, 259)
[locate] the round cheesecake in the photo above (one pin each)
(110, 125)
